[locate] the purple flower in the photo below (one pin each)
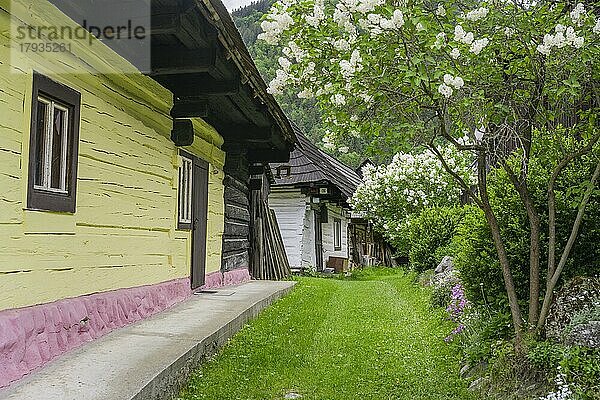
(456, 308)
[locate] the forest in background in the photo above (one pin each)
(304, 113)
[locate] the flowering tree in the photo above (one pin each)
(391, 194)
(481, 76)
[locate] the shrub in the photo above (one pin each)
(579, 365)
(474, 251)
(483, 330)
(430, 235)
(442, 289)
(583, 317)
(475, 257)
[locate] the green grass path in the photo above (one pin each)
(374, 337)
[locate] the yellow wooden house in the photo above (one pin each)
(122, 186)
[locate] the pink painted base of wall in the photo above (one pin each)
(218, 279)
(31, 337)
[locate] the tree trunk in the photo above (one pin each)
(553, 279)
(492, 221)
(534, 242)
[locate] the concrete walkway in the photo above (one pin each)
(150, 359)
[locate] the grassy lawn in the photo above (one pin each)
(370, 337)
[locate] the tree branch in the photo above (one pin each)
(570, 242)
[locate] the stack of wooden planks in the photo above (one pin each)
(269, 260)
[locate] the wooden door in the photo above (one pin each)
(318, 241)
(200, 217)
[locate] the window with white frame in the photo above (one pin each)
(337, 234)
(53, 146)
(185, 193)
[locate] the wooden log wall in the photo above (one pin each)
(236, 236)
(367, 247)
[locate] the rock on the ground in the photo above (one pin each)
(577, 295)
(445, 265)
(292, 395)
(477, 384)
(587, 334)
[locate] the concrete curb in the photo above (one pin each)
(167, 384)
(151, 359)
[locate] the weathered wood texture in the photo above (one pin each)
(236, 237)
(367, 247)
(269, 259)
(123, 232)
(290, 209)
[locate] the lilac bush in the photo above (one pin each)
(456, 310)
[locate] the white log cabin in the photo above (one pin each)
(310, 199)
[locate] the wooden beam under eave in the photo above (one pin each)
(190, 108)
(269, 155)
(168, 61)
(165, 21)
(244, 134)
(198, 85)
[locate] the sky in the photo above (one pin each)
(235, 4)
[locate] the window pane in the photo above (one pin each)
(40, 137)
(181, 196)
(185, 191)
(189, 193)
(56, 161)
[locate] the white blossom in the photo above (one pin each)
(596, 28)
(478, 45)
(445, 90)
(275, 24)
(343, 149)
(479, 133)
(366, 6)
(440, 11)
(564, 392)
(456, 82)
(460, 35)
(318, 14)
(563, 36)
(338, 99)
(367, 98)
(455, 53)
(577, 13)
(544, 49)
(341, 45)
(306, 94)
(278, 83)
(477, 14)
(508, 32)
(284, 63)
(398, 19)
(440, 40)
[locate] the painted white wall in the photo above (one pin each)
(328, 241)
(289, 206)
(308, 238)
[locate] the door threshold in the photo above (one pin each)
(199, 292)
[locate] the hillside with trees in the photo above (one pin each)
(304, 113)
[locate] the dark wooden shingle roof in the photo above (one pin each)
(309, 164)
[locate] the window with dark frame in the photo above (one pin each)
(283, 171)
(337, 234)
(185, 212)
(53, 146)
